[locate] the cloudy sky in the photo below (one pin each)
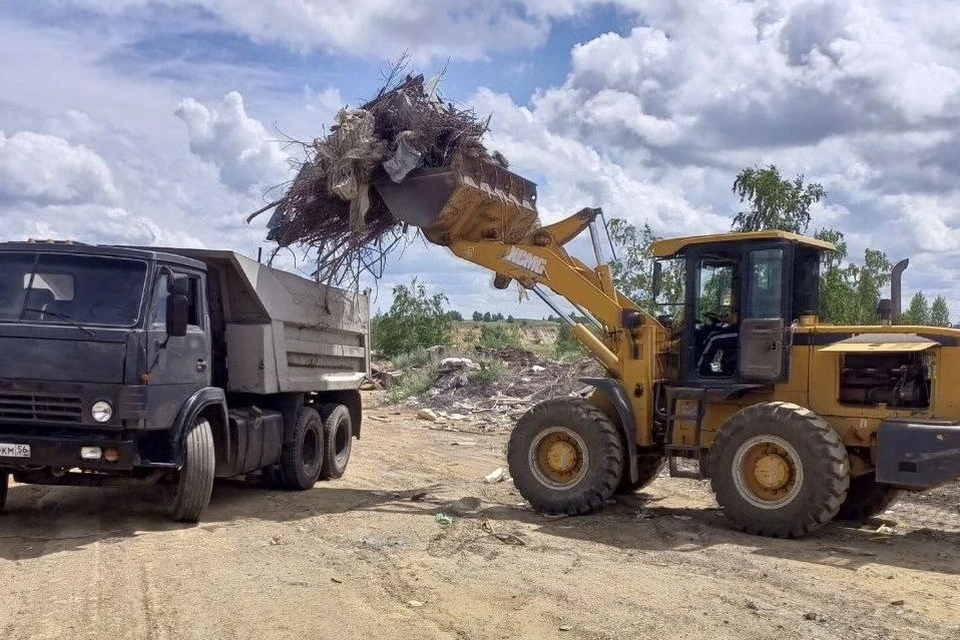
(158, 121)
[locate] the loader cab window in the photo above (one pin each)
(716, 315)
(765, 284)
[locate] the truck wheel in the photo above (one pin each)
(338, 440)
(190, 492)
(4, 484)
(649, 466)
(302, 454)
(565, 456)
(779, 470)
(866, 498)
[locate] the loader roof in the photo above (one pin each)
(672, 246)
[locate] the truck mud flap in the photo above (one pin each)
(918, 455)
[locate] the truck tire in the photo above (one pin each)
(565, 456)
(649, 466)
(190, 493)
(779, 470)
(302, 454)
(4, 484)
(867, 498)
(337, 440)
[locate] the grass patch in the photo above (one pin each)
(413, 360)
(490, 371)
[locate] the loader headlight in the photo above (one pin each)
(102, 411)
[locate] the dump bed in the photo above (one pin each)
(275, 331)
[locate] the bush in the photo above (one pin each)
(412, 383)
(415, 320)
(489, 371)
(497, 336)
(567, 345)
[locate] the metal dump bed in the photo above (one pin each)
(282, 332)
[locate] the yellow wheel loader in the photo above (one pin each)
(794, 422)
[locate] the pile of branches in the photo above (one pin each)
(331, 205)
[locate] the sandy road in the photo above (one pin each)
(364, 557)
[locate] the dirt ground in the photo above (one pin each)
(366, 557)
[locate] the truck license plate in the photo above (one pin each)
(14, 450)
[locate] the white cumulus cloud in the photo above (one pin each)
(245, 154)
(45, 168)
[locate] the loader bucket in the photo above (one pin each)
(470, 199)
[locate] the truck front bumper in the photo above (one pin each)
(918, 455)
(64, 452)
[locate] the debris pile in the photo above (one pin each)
(332, 206)
(493, 387)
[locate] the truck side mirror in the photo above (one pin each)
(178, 315)
(657, 283)
(178, 284)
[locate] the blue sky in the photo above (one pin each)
(157, 121)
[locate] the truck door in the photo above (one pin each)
(178, 366)
(764, 332)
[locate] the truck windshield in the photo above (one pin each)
(83, 290)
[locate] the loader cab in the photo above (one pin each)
(742, 294)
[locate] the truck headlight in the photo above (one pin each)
(102, 411)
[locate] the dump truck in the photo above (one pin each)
(173, 367)
(735, 379)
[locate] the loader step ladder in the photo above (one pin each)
(702, 395)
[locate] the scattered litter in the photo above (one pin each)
(684, 518)
(428, 414)
(851, 551)
(415, 603)
(337, 580)
(565, 627)
(377, 418)
(464, 443)
(457, 416)
(816, 617)
(420, 496)
(505, 538)
(885, 530)
(443, 520)
(455, 364)
(276, 541)
(538, 368)
(898, 603)
(497, 475)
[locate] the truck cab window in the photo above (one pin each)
(160, 295)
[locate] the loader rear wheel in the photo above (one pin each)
(338, 440)
(302, 454)
(649, 466)
(779, 470)
(867, 498)
(565, 456)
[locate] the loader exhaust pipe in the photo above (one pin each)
(895, 277)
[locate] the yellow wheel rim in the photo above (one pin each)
(559, 458)
(768, 472)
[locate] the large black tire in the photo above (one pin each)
(4, 484)
(649, 466)
(779, 470)
(565, 456)
(337, 440)
(189, 493)
(302, 454)
(866, 498)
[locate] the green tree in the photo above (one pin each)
(415, 320)
(477, 316)
(939, 313)
(633, 268)
(836, 291)
(454, 316)
(510, 318)
(487, 317)
(774, 203)
(870, 278)
(919, 311)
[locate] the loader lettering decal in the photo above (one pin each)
(526, 260)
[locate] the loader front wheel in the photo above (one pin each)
(867, 498)
(649, 466)
(779, 470)
(565, 456)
